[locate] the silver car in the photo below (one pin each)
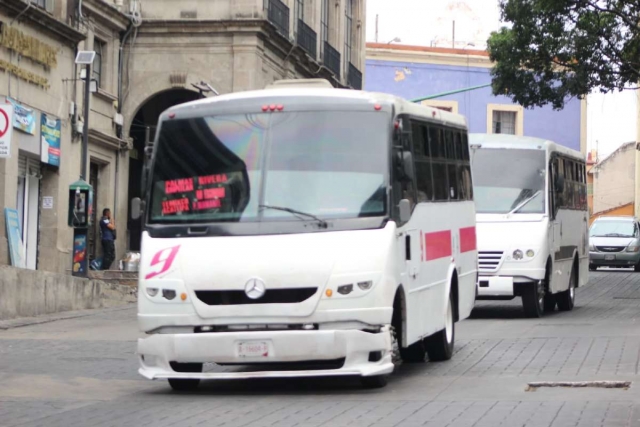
(614, 242)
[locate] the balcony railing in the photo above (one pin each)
(354, 79)
(307, 39)
(332, 59)
(279, 16)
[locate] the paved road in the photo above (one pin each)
(82, 372)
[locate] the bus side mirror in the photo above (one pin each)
(407, 165)
(136, 208)
(405, 210)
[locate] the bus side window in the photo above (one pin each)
(438, 164)
(422, 160)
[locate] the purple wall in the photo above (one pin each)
(562, 127)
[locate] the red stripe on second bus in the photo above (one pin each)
(437, 245)
(468, 239)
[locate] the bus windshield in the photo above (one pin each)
(509, 181)
(319, 165)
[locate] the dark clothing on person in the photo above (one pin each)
(109, 253)
(107, 233)
(108, 244)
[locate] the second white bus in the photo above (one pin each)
(532, 215)
(304, 231)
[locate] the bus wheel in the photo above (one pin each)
(185, 384)
(533, 299)
(440, 345)
(567, 299)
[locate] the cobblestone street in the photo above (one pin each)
(82, 371)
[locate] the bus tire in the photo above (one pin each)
(376, 381)
(440, 345)
(566, 300)
(185, 384)
(533, 300)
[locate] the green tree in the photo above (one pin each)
(555, 50)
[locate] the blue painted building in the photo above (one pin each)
(413, 72)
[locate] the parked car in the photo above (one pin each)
(614, 242)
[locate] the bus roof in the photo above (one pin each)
(520, 142)
(402, 106)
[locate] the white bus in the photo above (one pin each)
(532, 215)
(289, 232)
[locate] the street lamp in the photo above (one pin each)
(81, 193)
(86, 58)
(395, 40)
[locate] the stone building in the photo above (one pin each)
(38, 75)
(150, 55)
(231, 46)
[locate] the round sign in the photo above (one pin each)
(4, 127)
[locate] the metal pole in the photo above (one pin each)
(85, 131)
(453, 92)
(453, 36)
(377, 16)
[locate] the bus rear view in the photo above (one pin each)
(268, 239)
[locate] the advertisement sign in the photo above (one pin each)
(80, 258)
(14, 236)
(50, 136)
(23, 117)
(6, 118)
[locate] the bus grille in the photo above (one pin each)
(271, 296)
(489, 261)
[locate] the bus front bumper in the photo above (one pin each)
(364, 354)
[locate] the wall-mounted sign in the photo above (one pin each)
(23, 74)
(6, 128)
(50, 135)
(23, 117)
(14, 236)
(47, 202)
(28, 46)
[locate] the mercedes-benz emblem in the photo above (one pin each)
(255, 288)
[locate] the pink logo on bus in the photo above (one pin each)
(166, 257)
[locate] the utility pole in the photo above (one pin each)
(453, 36)
(377, 17)
(81, 193)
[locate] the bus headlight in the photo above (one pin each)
(530, 253)
(152, 292)
(517, 255)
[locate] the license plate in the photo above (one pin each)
(253, 349)
(609, 257)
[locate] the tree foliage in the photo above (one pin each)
(559, 49)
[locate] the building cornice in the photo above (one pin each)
(107, 14)
(107, 141)
(426, 55)
(44, 20)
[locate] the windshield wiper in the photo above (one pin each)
(615, 235)
(524, 202)
(321, 222)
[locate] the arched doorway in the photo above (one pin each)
(143, 126)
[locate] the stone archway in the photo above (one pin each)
(144, 122)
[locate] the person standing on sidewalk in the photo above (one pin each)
(108, 232)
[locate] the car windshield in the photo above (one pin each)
(508, 180)
(312, 166)
(612, 229)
